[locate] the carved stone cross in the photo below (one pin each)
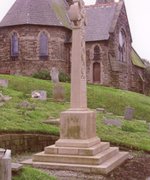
(78, 59)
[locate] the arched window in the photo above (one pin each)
(96, 53)
(14, 45)
(122, 46)
(43, 51)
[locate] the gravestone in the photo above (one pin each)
(3, 99)
(39, 94)
(5, 164)
(54, 73)
(58, 89)
(58, 92)
(113, 122)
(129, 113)
(3, 82)
(101, 110)
(26, 105)
(79, 149)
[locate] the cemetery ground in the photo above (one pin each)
(22, 114)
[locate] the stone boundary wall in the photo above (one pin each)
(19, 143)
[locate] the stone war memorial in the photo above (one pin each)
(79, 148)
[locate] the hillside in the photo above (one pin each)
(14, 118)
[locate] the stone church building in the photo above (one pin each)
(35, 35)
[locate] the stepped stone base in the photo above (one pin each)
(99, 159)
(78, 148)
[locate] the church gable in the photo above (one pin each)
(39, 39)
(99, 19)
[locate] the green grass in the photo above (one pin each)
(133, 134)
(29, 173)
(115, 100)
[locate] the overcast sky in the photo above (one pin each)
(139, 19)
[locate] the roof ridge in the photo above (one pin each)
(101, 4)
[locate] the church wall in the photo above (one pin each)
(103, 61)
(121, 70)
(138, 83)
(28, 60)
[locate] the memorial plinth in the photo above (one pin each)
(78, 147)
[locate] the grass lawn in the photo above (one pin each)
(29, 173)
(133, 134)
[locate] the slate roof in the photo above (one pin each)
(99, 21)
(101, 18)
(136, 60)
(37, 12)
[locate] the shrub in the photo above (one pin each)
(64, 77)
(42, 75)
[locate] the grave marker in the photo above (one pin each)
(129, 113)
(4, 83)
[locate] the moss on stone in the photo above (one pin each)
(136, 60)
(61, 13)
(74, 128)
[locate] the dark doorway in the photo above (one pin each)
(96, 72)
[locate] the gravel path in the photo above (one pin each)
(136, 168)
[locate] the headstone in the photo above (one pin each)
(109, 113)
(3, 98)
(129, 113)
(53, 121)
(39, 94)
(58, 92)
(113, 122)
(16, 167)
(101, 110)
(5, 164)
(54, 73)
(3, 82)
(26, 105)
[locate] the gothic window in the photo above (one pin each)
(14, 45)
(96, 53)
(122, 46)
(43, 51)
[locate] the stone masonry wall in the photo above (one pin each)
(104, 64)
(20, 143)
(120, 74)
(29, 61)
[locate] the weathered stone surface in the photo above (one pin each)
(16, 167)
(5, 165)
(26, 105)
(3, 83)
(78, 147)
(52, 122)
(28, 62)
(20, 143)
(100, 110)
(113, 122)
(58, 92)
(3, 99)
(129, 113)
(54, 73)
